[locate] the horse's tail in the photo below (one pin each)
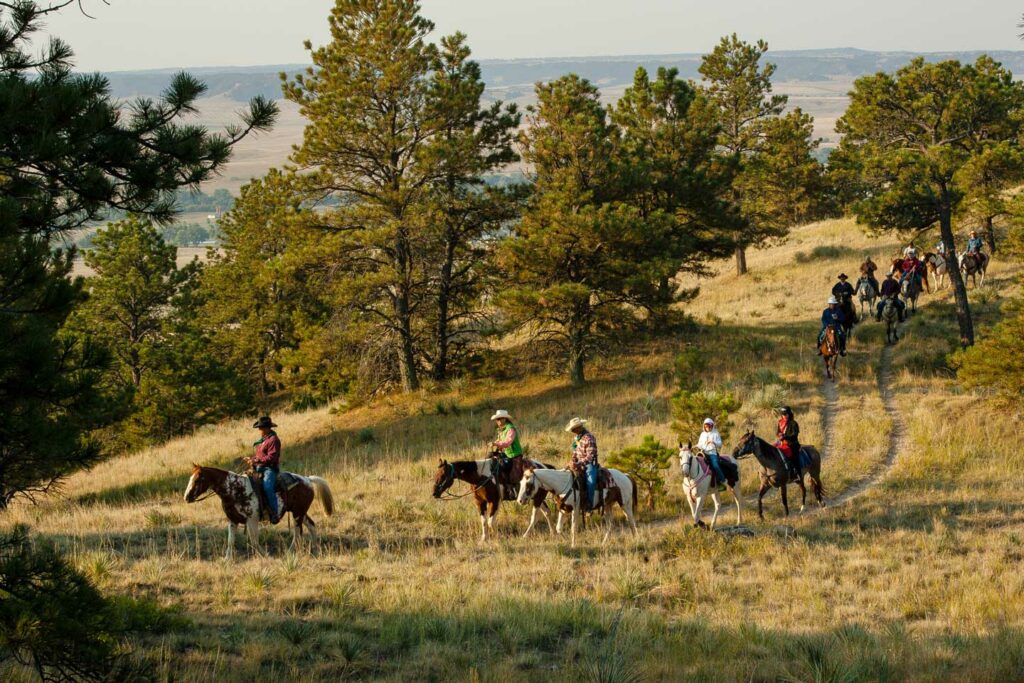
(323, 492)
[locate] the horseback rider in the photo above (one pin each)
(974, 245)
(584, 459)
(833, 317)
(890, 290)
(788, 440)
(506, 444)
(911, 267)
(843, 291)
(710, 442)
(867, 269)
(267, 462)
(909, 249)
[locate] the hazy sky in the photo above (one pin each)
(143, 34)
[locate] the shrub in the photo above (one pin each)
(993, 364)
(646, 463)
(689, 366)
(690, 408)
(824, 252)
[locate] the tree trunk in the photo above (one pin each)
(990, 234)
(963, 307)
(440, 369)
(650, 497)
(577, 355)
(406, 353)
(741, 260)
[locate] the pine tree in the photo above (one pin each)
(396, 133)
(582, 261)
(668, 164)
(911, 139)
(646, 464)
(741, 90)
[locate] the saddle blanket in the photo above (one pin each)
(608, 479)
(285, 481)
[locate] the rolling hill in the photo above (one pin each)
(910, 573)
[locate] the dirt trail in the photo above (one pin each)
(896, 433)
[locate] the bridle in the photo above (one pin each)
(450, 476)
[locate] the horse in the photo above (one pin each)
(938, 266)
(910, 288)
(240, 497)
(562, 484)
(486, 492)
(891, 315)
(829, 348)
(897, 269)
(971, 265)
(697, 481)
(849, 314)
(774, 473)
(866, 293)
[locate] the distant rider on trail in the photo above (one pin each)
(267, 462)
(911, 267)
(890, 290)
(843, 291)
(584, 460)
(867, 269)
(974, 245)
(788, 442)
(506, 445)
(710, 442)
(833, 317)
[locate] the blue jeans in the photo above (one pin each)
(591, 474)
(716, 465)
(270, 488)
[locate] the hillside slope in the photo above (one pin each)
(913, 578)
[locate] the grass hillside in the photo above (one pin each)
(912, 573)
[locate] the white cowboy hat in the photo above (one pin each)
(709, 421)
(911, 252)
(832, 300)
(574, 423)
(501, 414)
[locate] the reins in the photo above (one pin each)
(447, 495)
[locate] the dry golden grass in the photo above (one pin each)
(916, 579)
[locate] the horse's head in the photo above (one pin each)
(685, 456)
(444, 477)
(527, 486)
(198, 484)
(745, 446)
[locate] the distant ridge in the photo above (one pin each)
(511, 78)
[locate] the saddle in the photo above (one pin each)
(605, 480)
(730, 468)
(285, 482)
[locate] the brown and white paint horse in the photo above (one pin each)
(486, 493)
(242, 505)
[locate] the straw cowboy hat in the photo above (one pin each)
(499, 414)
(574, 423)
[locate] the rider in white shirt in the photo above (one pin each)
(710, 442)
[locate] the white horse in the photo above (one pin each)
(866, 294)
(560, 482)
(939, 267)
(697, 482)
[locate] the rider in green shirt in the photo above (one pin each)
(507, 441)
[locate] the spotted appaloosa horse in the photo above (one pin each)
(242, 505)
(487, 494)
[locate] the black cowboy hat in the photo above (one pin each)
(842, 276)
(264, 421)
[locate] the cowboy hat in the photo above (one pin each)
(264, 422)
(832, 300)
(574, 423)
(842, 276)
(501, 414)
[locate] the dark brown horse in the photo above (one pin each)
(775, 474)
(829, 348)
(240, 498)
(487, 494)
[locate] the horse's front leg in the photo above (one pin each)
(718, 504)
(572, 523)
(230, 552)
(697, 508)
(736, 497)
(760, 498)
(785, 501)
(252, 529)
(544, 510)
(803, 493)
(533, 520)
(482, 505)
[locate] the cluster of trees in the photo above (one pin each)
(395, 259)
(70, 154)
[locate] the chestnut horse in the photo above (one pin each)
(241, 501)
(486, 493)
(829, 348)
